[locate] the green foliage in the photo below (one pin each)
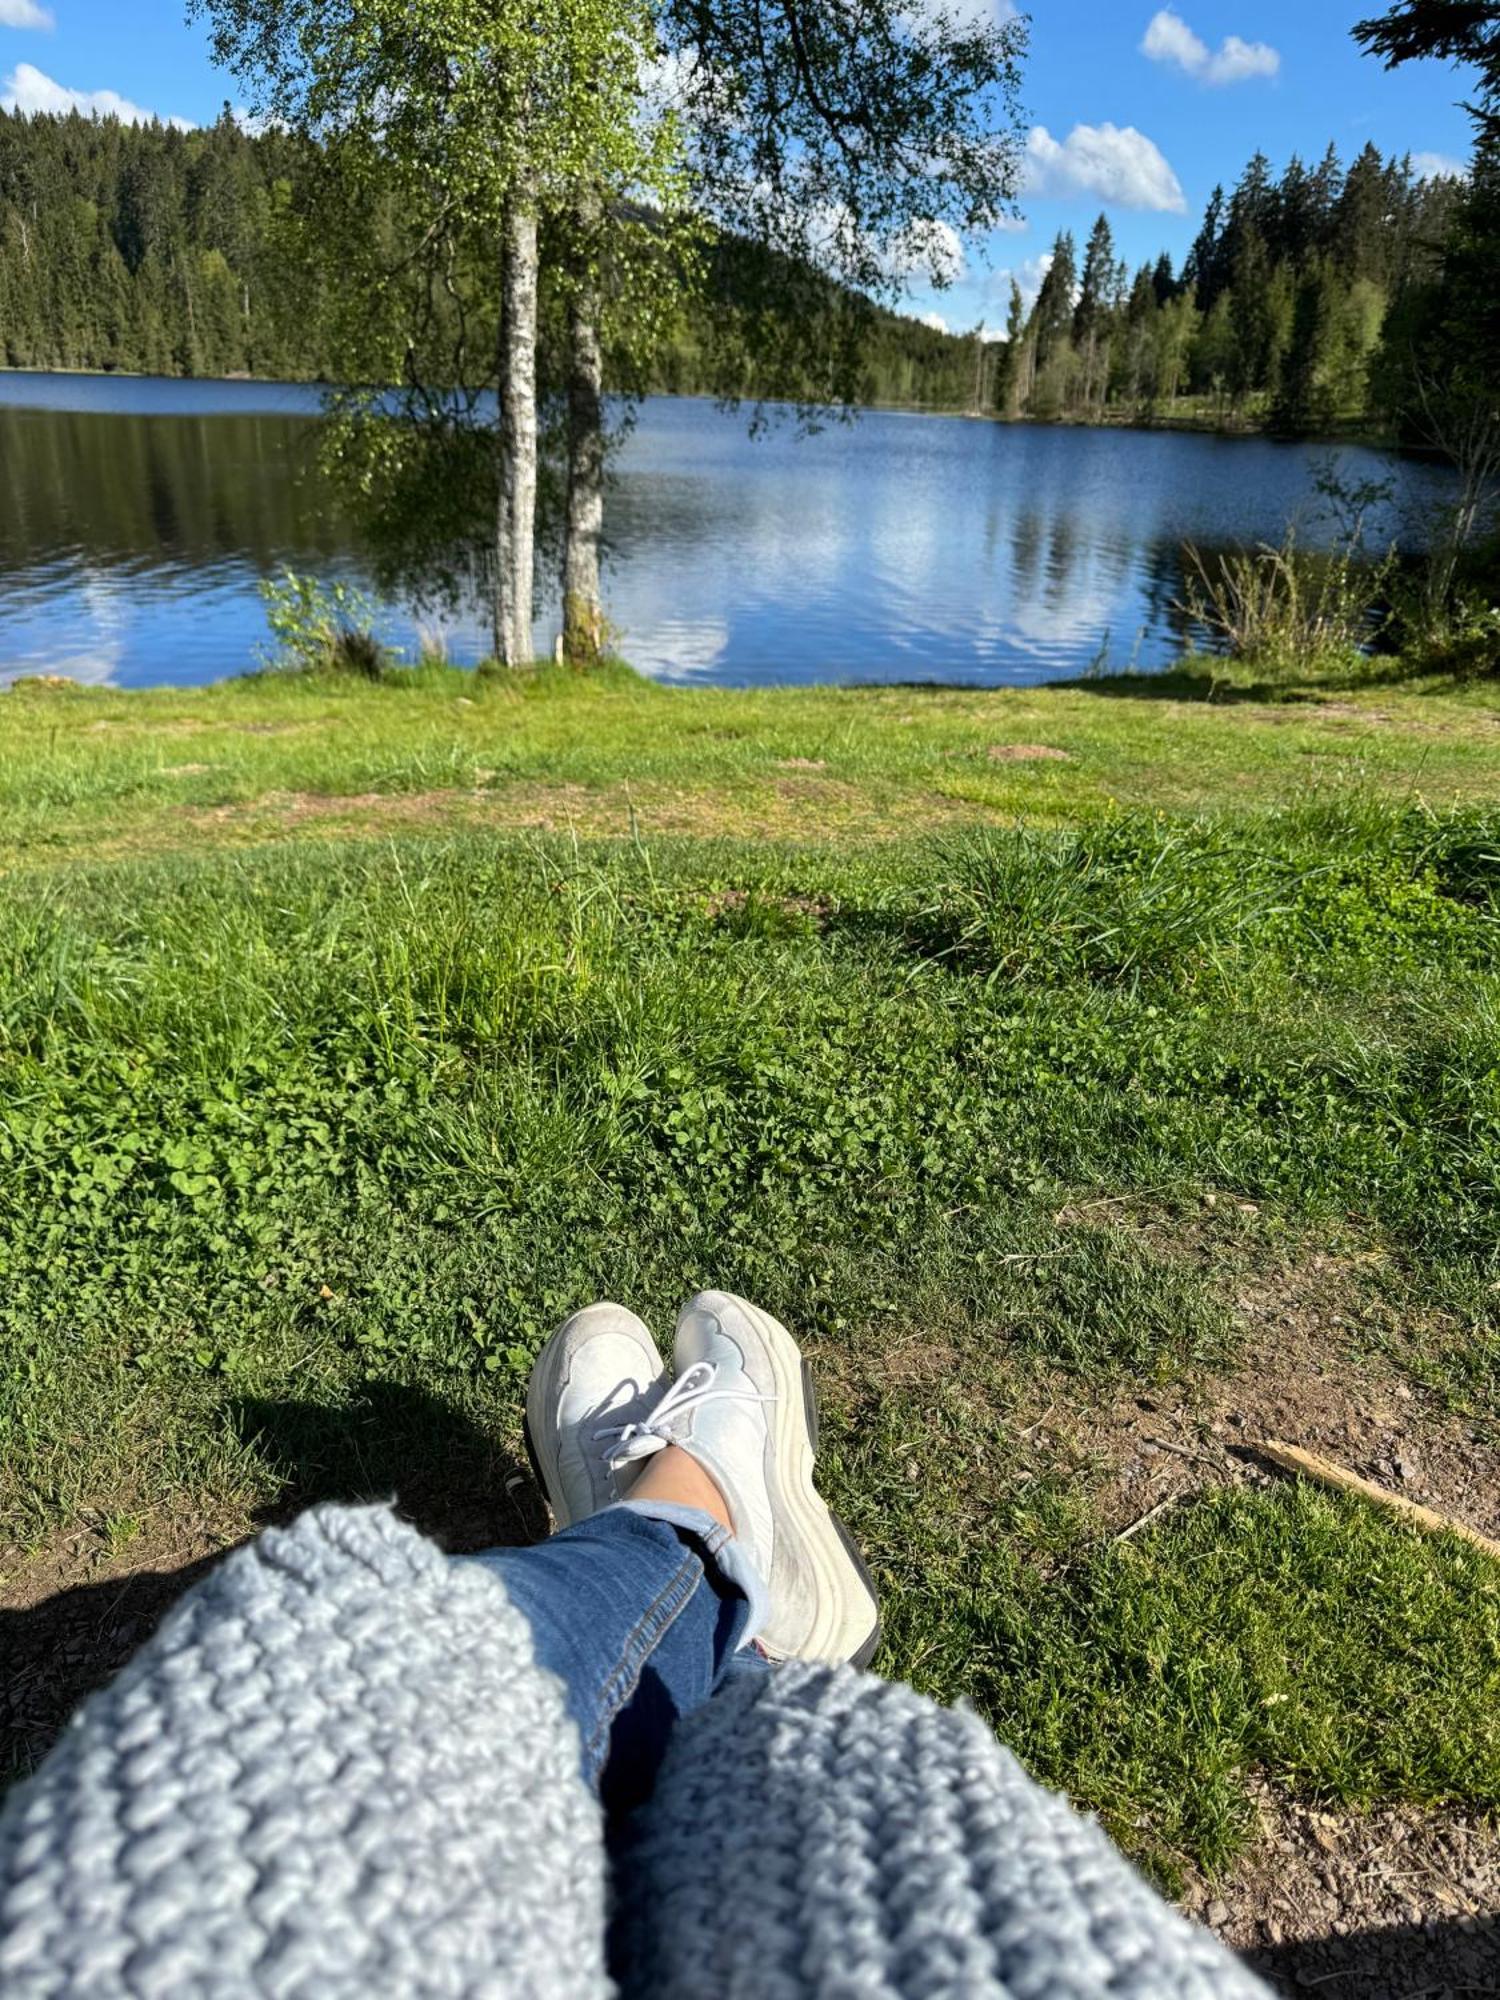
(1278, 311)
(142, 247)
(200, 254)
(320, 626)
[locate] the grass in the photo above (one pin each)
(334, 1110)
(88, 772)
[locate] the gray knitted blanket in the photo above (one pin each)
(337, 1770)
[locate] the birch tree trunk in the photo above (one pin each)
(583, 611)
(515, 527)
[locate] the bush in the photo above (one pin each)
(1285, 608)
(320, 627)
(1460, 637)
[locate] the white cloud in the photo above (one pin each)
(28, 89)
(1028, 275)
(1237, 61)
(934, 320)
(972, 16)
(1113, 161)
(1169, 39)
(25, 14)
(1438, 167)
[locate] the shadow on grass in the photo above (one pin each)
(1408, 1962)
(1218, 684)
(446, 1475)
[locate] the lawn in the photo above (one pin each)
(1082, 1111)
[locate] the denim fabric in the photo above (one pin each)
(642, 1614)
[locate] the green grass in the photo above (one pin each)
(89, 771)
(337, 1112)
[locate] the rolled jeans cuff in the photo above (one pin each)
(730, 1557)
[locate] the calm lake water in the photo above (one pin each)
(140, 516)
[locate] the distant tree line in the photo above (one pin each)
(1277, 314)
(154, 250)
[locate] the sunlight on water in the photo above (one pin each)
(141, 516)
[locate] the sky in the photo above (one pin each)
(1131, 109)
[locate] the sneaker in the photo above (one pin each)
(743, 1405)
(598, 1376)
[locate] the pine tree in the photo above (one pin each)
(1089, 314)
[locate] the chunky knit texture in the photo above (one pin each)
(337, 1770)
(823, 1832)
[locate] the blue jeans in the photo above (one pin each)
(642, 1612)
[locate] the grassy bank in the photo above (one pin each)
(97, 773)
(1067, 1104)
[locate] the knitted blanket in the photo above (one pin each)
(337, 1770)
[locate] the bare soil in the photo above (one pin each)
(1370, 1906)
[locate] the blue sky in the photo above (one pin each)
(1132, 109)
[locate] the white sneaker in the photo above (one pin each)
(743, 1406)
(596, 1378)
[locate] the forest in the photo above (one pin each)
(155, 250)
(1276, 316)
(159, 251)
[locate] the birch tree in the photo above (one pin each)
(444, 133)
(856, 140)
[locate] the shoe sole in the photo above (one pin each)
(846, 1628)
(551, 1487)
(871, 1646)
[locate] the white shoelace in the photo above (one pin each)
(693, 1388)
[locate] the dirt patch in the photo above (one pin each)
(1307, 1372)
(723, 902)
(1026, 753)
(800, 807)
(74, 1611)
(1303, 711)
(802, 763)
(1385, 1905)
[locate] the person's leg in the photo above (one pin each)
(640, 1611)
(663, 1573)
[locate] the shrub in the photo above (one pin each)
(1286, 607)
(320, 627)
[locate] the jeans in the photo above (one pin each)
(642, 1612)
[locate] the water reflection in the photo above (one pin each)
(138, 519)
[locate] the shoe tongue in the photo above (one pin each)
(644, 1446)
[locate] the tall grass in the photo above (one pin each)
(1286, 608)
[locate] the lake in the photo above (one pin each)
(140, 517)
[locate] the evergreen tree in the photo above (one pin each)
(1204, 270)
(1095, 293)
(1052, 315)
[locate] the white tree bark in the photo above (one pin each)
(515, 528)
(583, 610)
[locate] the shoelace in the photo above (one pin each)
(693, 1388)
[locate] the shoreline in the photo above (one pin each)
(1352, 433)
